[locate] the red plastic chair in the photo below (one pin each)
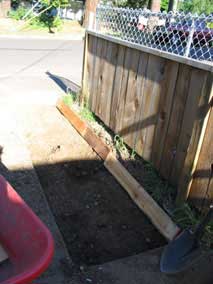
(26, 239)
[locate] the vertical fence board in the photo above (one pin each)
(108, 83)
(117, 87)
(194, 115)
(127, 131)
(164, 111)
(121, 105)
(200, 134)
(154, 76)
(198, 192)
(140, 84)
(92, 43)
(99, 78)
(176, 117)
(96, 71)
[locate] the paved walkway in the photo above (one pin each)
(16, 166)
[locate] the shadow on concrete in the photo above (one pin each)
(65, 84)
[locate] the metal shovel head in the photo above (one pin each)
(180, 253)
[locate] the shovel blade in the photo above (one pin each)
(180, 253)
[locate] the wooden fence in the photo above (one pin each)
(159, 103)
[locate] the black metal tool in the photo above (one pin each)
(185, 249)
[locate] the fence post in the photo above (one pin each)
(84, 78)
(91, 20)
(190, 40)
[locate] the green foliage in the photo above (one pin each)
(68, 100)
(164, 5)
(197, 6)
(186, 217)
(36, 24)
(86, 114)
(18, 14)
(75, 5)
(131, 3)
(120, 145)
(50, 19)
(56, 3)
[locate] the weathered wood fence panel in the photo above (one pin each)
(201, 192)
(158, 105)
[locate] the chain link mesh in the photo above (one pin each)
(184, 34)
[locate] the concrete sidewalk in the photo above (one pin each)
(145, 269)
(17, 168)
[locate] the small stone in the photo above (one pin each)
(87, 206)
(81, 268)
(96, 203)
(124, 227)
(148, 240)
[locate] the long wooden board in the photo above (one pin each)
(144, 201)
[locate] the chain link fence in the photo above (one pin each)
(184, 34)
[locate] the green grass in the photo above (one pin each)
(188, 217)
(68, 100)
(84, 113)
(119, 144)
(75, 96)
(88, 115)
(19, 13)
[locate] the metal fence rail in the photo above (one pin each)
(188, 35)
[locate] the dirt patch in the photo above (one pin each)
(98, 220)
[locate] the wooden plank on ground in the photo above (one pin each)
(72, 117)
(92, 139)
(176, 119)
(117, 87)
(166, 98)
(145, 202)
(127, 131)
(196, 109)
(96, 143)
